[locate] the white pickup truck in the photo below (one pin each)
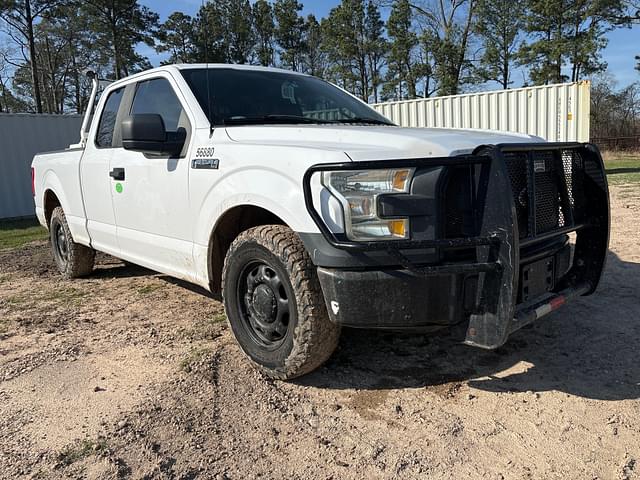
(310, 211)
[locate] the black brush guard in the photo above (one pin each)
(524, 194)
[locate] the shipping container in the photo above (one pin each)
(557, 113)
(22, 136)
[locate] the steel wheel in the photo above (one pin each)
(60, 243)
(264, 304)
(73, 260)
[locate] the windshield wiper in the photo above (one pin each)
(272, 119)
(373, 121)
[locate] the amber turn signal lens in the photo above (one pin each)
(400, 179)
(398, 228)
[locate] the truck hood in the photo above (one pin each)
(375, 142)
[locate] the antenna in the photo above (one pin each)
(206, 59)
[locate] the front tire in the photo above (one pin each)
(73, 260)
(274, 303)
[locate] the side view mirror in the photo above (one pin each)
(146, 133)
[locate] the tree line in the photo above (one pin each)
(615, 111)
(377, 49)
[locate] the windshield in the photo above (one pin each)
(249, 97)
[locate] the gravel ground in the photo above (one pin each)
(131, 374)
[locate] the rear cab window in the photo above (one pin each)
(106, 127)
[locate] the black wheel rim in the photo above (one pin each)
(264, 304)
(60, 243)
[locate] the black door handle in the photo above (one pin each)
(117, 174)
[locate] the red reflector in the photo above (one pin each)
(33, 181)
(557, 302)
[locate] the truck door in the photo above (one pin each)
(94, 174)
(151, 193)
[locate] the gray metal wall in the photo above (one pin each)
(21, 137)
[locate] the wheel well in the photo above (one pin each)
(50, 203)
(233, 223)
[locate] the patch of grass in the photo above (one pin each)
(80, 450)
(195, 357)
(147, 289)
(205, 330)
(622, 167)
(4, 326)
(16, 233)
(16, 300)
(17, 303)
(65, 295)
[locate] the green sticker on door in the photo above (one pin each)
(119, 187)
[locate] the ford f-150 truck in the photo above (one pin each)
(308, 211)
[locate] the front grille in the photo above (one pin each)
(547, 189)
(459, 213)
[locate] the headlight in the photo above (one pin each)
(358, 192)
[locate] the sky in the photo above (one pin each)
(624, 44)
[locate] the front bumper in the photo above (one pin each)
(508, 279)
(445, 296)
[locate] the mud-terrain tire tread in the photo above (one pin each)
(80, 258)
(316, 337)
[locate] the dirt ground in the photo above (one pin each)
(130, 374)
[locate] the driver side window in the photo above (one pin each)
(157, 96)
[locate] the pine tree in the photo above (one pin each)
(567, 32)
(177, 36)
(314, 58)
(119, 26)
(289, 32)
(239, 30)
(22, 16)
(264, 29)
(545, 22)
(401, 74)
(499, 25)
(210, 38)
(337, 45)
(376, 47)
(344, 43)
(72, 25)
(589, 21)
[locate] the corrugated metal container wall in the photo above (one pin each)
(21, 138)
(557, 113)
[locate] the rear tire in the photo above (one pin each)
(73, 260)
(274, 303)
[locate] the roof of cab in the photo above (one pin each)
(235, 66)
(188, 66)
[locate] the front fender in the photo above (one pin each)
(266, 188)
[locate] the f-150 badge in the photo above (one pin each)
(205, 163)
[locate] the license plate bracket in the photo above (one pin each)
(536, 279)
